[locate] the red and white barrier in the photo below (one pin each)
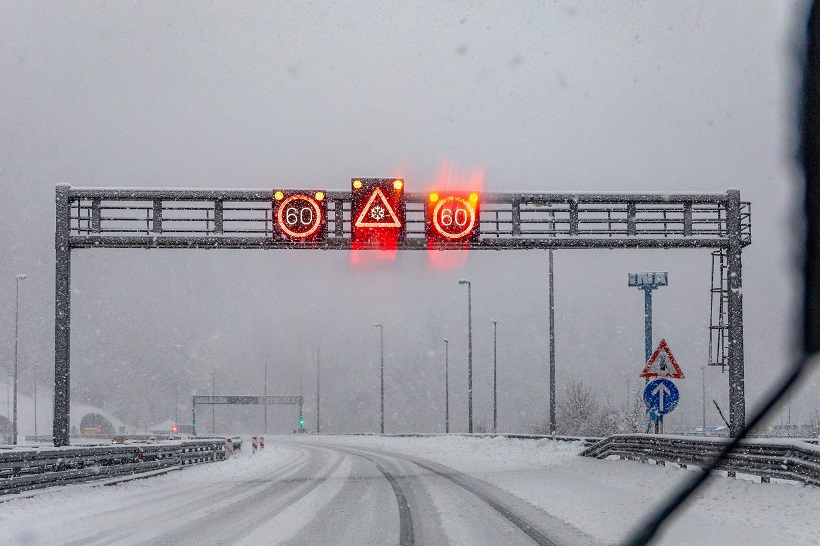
(261, 443)
(228, 447)
(253, 444)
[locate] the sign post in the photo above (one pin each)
(648, 282)
(661, 395)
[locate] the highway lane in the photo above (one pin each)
(305, 493)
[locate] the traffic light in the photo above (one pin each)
(452, 218)
(377, 212)
(301, 422)
(174, 429)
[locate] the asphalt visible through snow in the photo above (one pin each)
(312, 493)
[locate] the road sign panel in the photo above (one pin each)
(452, 217)
(662, 364)
(661, 396)
(377, 212)
(300, 215)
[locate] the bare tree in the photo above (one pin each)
(578, 412)
(633, 415)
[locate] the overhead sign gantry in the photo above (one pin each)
(378, 213)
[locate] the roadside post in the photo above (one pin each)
(661, 395)
(648, 282)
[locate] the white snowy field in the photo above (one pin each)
(266, 498)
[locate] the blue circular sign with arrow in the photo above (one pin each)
(661, 396)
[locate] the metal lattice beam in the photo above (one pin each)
(242, 219)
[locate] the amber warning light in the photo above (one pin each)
(452, 218)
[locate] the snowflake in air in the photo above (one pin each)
(377, 213)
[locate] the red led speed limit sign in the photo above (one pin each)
(300, 215)
(452, 218)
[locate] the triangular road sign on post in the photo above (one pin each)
(662, 364)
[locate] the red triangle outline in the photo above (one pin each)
(662, 345)
(396, 223)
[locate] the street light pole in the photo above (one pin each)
(176, 406)
(265, 403)
(703, 369)
(16, 331)
(552, 345)
(381, 342)
(495, 383)
(469, 355)
(35, 401)
(318, 384)
(446, 386)
(213, 406)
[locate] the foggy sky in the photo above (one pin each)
(556, 96)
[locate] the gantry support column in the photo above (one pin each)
(62, 319)
(737, 397)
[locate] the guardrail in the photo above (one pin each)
(26, 469)
(769, 458)
(586, 440)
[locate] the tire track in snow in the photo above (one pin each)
(180, 513)
(471, 486)
(406, 535)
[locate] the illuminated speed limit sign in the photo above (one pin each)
(300, 216)
(452, 218)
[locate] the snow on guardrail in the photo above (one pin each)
(23, 469)
(768, 458)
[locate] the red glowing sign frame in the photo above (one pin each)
(437, 232)
(315, 202)
(377, 212)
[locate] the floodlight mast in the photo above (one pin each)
(240, 219)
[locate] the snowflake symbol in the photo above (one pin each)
(377, 212)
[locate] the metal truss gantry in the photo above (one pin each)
(242, 219)
(243, 400)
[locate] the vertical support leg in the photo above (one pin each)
(193, 418)
(62, 319)
(737, 389)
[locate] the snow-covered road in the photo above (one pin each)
(383, 490)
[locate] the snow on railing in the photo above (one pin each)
(586, 440)
(25, 469)
(768, 458)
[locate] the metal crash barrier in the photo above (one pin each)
(770, 458)
(26, 469)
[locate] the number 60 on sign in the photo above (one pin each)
(300, 216)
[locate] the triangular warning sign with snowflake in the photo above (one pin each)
(377, 212)
(662, 364)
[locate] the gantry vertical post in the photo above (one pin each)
(62, 318)
(737, 398)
